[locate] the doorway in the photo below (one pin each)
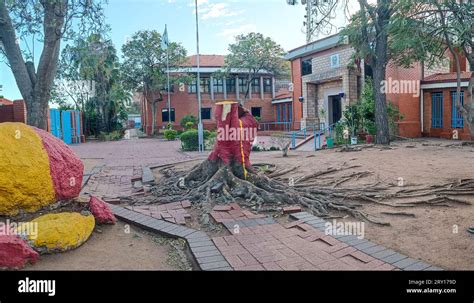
(335, 109)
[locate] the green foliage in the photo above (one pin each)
(256, 148)
(393, 117)
(258, 118)
(352, 118)
(171, 134)
(89, 74)
(188, 122)
(190, 139)
(339, 133)
(254, 53)
(112, 136)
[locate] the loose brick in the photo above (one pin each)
(291, 209)
(222, 208)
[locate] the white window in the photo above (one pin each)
(335, 61)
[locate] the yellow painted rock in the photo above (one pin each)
(61, 232)
(36, 169)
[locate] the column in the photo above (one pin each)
(273, 88)
(225, 87)
(237, 87)
(212, 87)
(250, 89)
(262, 96)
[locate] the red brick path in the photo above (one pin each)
(297, 246)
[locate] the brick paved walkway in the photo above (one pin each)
(118, 163)
(263, 244)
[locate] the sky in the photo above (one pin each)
(219, 22)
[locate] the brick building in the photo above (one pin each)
(12, 111)
(263, 91)
(325, 80)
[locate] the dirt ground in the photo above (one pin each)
(436, 234)
(114, 249)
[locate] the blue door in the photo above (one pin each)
(55, 120)
(78, 125)
(437, 110)
(457, 120)
(66, 126)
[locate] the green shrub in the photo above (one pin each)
(190, 139)
(256, 148)
(274, 148)
(112, 136)
(171, 134)
(188, 122)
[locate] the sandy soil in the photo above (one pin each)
(436, 234)
(114, 249)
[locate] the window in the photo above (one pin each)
(267, 85)
(218, 85)
(306, 67)
(165, 88)
(437, 110)
(243, 85)
(230, 85)
(192, 88)
(335, 61)
(256, 111)
(205, 85)
(206, 113)
(164, 115)
(256, 85)
(457, 120)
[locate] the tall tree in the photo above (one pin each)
(368, 33)
(145, 66)
(48, 22)
(253, 54)
(90, 76)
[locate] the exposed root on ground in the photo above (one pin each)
(266, 187)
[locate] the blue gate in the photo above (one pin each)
(55, 118)
(66, 125)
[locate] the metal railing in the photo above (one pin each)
(279, 126)
(305, 132)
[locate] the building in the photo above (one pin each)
(264, 90)
(325, 80)
(12, 111)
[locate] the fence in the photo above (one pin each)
(67, 125)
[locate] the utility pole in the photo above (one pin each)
(309, 20)
(198, 84)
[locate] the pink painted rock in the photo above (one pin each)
(15, 252)
(65, 166)
(101, 211)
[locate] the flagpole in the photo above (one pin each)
(168, 74)
(198, 84)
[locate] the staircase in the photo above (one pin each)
(311, 138)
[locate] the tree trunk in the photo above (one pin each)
(35, 87)
(379, 66)
(153, 118)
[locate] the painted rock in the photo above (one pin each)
(36, 169)
(60, 232)
(101, 211)
(15, 252)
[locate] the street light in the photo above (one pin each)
(198, 84)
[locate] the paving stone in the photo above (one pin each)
(356, 241)
(204, 249)
(383, 254)
(210, 253)
(394, 258)
(402, 264)
(301, 215)
(214, 265)
(261, 221)
(170, 228)
(315, 221)
(201, 244)
(291, 209)
(211, 259)
(364, 245)
(147, 175)
(420, 265)
(347, 238)
(373, 249)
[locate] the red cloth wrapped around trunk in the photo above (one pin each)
(236, 130)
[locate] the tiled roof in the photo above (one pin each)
(4, 101)
(206, 60)
(446, 77)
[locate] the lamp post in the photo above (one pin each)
(198, 85)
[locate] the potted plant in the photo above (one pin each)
(351, 115)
